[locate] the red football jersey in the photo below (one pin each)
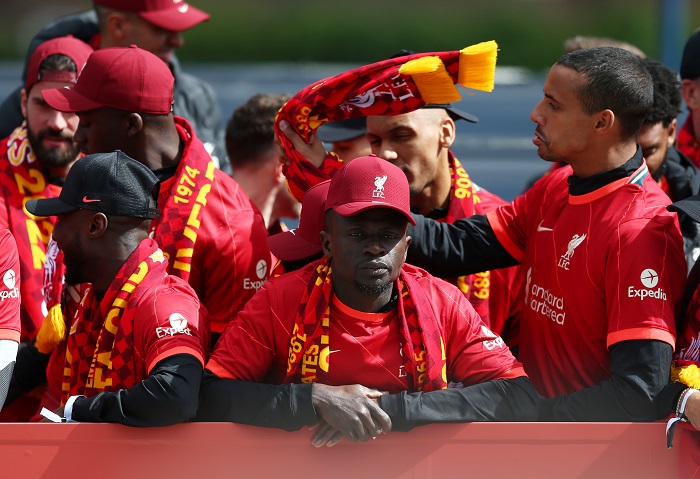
(231, 259)
(364, 347)
(9, 287)
(601, 268)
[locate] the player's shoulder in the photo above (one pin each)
(170, 288)
(434, 287)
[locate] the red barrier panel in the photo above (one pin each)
(483, 450)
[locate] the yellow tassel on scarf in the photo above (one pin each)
(477, 66)
(52, 331)
(431, 79)
(688, 375)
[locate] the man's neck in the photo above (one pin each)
(162, 149)
(364, 302)
(437, 193)
(609, 159)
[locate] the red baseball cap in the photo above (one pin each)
(369, 182)
(173, 15)
(304, 240)
(130, 79)
(76, 50)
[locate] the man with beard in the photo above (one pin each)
(138, 340)
(35, 159)
(360, 342)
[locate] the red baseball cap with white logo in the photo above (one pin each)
(369, 182)
(305, 240)
(130, 79)
(173, 15)
(77, 50)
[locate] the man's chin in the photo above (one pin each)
(374, 289)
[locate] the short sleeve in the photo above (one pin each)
(9, 287)
(170, 321)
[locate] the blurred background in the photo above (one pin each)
(279, 46)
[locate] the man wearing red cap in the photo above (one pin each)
(359, 341)
(35, 159)
(156, 26)
(214, 236)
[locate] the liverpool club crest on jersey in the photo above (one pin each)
(575, 242)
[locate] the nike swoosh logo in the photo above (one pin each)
(542, 228)
(88, 200)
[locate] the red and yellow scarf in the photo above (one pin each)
(100, 348)
(464, 199)
(181, 206)
(686, 142)
(390, 87)
(23, 179)
(423, 346)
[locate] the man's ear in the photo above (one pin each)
(672, 131)
(447, 132)
(326, 244)
(134, 124)
(691, 93)
(326, 240)
(23, 102)
(279, 173)
(606, 120)
(118, 27)
(98, 225)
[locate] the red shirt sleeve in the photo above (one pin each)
(9, 287)
(645, 289)
(246, 349)
(168, 322)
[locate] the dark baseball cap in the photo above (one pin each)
(305, 240)
(343, 130)
(455, 113)
(690, 206)
(690, 63)
(110, 183)
(369, 182)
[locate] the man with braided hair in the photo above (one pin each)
(139, 340)
(359, 341)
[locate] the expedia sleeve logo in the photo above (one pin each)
(649, 279)
(261, 272)
(9, 280)
(178, 325)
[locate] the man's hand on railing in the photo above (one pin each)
(350, 411)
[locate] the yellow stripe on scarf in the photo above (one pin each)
(477, 66)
